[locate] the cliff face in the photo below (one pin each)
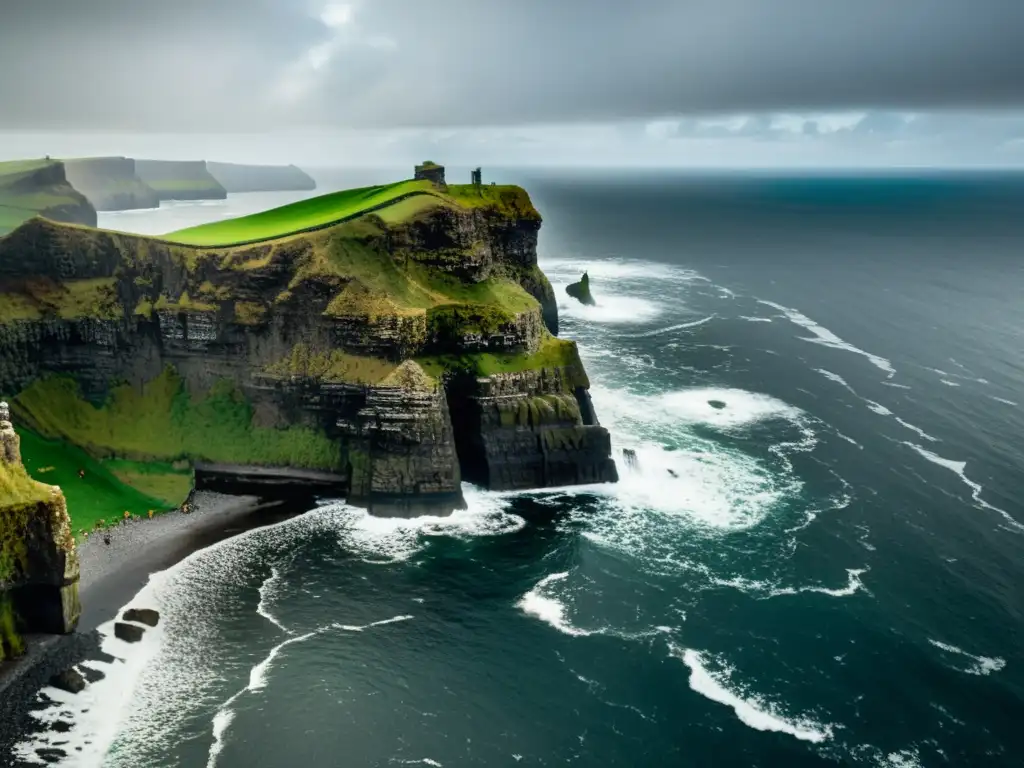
(110, 183)
(394, 355)
(38, 561)
(173, 180)
(40, 188)
(260, 178)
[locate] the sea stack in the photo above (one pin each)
(581, 291)
(38, 560)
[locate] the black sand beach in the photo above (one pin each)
(111, 575)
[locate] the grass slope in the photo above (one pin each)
(297, 217)
(101, 495)
(18, 205)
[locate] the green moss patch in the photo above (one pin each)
(333, 366)
(162, 421)
(553, 353)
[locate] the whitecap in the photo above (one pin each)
(1003, 400)
(983, 665)
(755, 319)
(878, 408)
(826, 338)
(751, 710)
(539, 603)
(949, 383)
(615, 270)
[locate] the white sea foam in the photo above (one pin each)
(741, 409)
(755, 319)
(894, 385)
(751, 710)
(834, 377)
(949, 383)
(395, 539)
(982, 665)
(614, 270)
(878, 408)
(540, 603)
(917, 430)
(267, 589)
(1003, 400)
(611, 308)
(769, 590)
(959, 468)
(825, 337)
(669, 329)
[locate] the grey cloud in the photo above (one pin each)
(255, 65)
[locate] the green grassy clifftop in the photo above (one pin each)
(260, 178)
(110, 183)
(304, 337)
(39, 188)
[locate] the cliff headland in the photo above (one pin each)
(40, 188)
(260, 178)
(385, 343)
(110, 183)
(184, 180)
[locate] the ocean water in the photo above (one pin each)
(827, 571)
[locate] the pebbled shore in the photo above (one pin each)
(112, 574)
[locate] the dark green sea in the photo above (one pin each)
(827, 571)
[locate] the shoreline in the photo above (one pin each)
(111, 575)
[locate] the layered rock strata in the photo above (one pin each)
(392, 357)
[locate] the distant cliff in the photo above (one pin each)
(186, 180)
(110, 183)
(38, 560)
(40, 188)
(260, 178)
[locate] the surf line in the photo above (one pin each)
(258, 680)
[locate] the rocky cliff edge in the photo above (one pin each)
(395, 353)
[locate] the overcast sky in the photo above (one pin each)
(737, 82)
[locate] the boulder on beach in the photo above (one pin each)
(146, 616)
(128, 632)
(581, 291)
(69, 680)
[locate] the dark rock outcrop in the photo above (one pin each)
(110, 183)
(581, 291)
(69, 680)
(716, 404)
(146, 616)
(128, 632)
(38, 560)
(260, 178)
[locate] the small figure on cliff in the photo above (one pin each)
(581, 291)
(81, 473)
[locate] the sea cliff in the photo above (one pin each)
(180, 180)
(260, 178)
(40, 188)
(393, 354)
(110, 183)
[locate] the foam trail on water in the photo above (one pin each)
(755, 319)
(1003, 400)
(826, 338)
(958, 468)
(878, 408)
(676, 327)
(266, 589)
(751, 710)
(983, 665)
(853, 585)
